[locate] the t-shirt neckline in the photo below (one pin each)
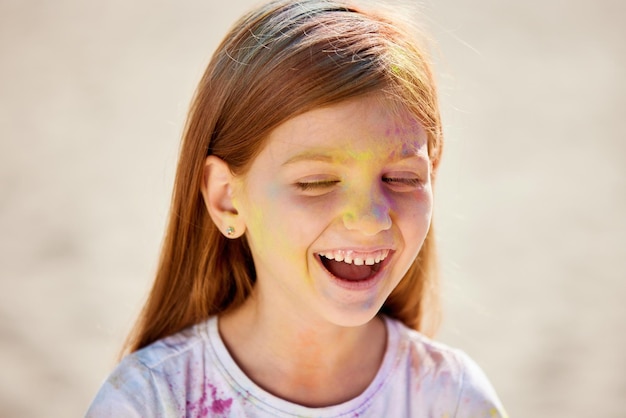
(253, 393)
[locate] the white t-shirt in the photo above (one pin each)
(191, 374)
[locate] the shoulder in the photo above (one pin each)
(446, 376)
(145, 383)
(180, 347)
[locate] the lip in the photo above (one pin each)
(360, 284)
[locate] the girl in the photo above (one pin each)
(297, 277)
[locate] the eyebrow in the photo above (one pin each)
(326, 158)
(310, 156)
(415, 157)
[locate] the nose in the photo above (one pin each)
(368, 212)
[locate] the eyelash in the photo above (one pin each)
(412, 182)
(316, 184)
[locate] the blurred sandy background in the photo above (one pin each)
(531, 195)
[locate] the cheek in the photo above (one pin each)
(414, 215)
(258, 210)
(278, 225)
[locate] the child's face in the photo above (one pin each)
(349, 181)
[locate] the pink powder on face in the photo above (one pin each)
(405, 129)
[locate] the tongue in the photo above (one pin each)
(347, 271)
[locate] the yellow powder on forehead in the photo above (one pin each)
(366, 155)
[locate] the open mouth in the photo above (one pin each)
(353, 265)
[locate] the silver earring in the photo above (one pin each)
(230, 231)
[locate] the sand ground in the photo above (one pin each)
(531, 199)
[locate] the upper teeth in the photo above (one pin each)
(357, 258)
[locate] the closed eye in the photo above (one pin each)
(401, 180)
(403, 184)
(316, 184)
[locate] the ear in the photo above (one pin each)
(217, 191)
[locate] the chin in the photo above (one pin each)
(352, 316)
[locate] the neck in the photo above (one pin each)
(307, 361)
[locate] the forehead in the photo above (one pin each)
(364, 128)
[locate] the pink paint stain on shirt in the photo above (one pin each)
(217, 406)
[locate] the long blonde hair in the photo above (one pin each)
(278, 61)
